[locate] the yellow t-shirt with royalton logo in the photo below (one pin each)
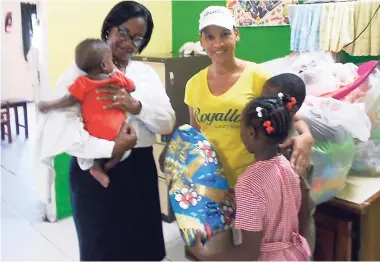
(219, 116)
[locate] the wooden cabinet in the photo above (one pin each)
(174, 73)
(348, 226)
(333, 240)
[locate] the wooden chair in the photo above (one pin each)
(6, 121)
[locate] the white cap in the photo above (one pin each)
(216, 15)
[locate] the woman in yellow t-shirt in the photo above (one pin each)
(217, 95)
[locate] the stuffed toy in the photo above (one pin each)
(191, 48)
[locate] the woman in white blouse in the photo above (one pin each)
(121, 222)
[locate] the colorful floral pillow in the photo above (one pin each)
(198, 189)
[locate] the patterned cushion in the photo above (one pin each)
(198, 189)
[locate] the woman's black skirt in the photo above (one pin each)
(121, 222)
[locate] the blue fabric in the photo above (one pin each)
(305, 23)
(198, 189)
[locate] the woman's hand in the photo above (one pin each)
(161, 159)
(125, 140)
(301, 146)
(120, 97)
(231, 197)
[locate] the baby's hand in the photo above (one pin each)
(43, 107)
(198, 249)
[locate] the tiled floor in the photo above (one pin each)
(24, 236)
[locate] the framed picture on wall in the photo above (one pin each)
(260, 12)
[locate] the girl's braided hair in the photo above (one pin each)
(272, 115)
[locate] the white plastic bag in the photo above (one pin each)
(367, 154)
(279, 65)
(298, 62)
(372, 100)
(319, 80)
(306, 61)
(332, 152)
(367, 159)
(351, 117)
(345, 74)
(372, 103)
(368, 92)
(312, 67)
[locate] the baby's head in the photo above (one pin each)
(266, 120)
(94, 56)
(289, 84)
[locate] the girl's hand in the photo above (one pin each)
(301, 146)
(120, 97)
(198, 249)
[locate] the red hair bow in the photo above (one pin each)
(292, 102)
(268, 127)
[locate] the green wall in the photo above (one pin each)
(62, 192)
(358, 59)
(257, 44)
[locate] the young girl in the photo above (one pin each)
(268, 194)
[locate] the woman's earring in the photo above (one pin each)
(107, 34)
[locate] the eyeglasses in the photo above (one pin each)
(123, 34)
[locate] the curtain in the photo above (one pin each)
(27, 28)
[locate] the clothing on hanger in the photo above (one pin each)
(337, 26)
(304, 22)
(366, 40)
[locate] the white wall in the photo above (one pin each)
(18, 78)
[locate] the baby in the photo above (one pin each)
(94, 57)
(293, 86)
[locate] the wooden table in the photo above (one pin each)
(348, 226)
(15, 104)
